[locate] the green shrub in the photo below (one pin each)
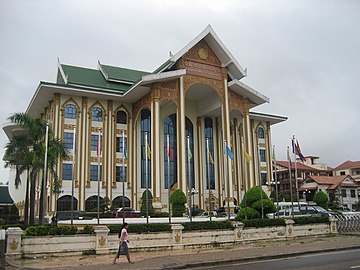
(142, 228)
(321, 199)
(88, 229)
(248, 212)
(160, 214)
(264, 222)
(49, 230)
(178, 200)
(268, 206)
(310, 220)
(149, 204)
(253, 195)
(207, 225)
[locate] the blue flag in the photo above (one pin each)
(125, 151)
(229, 153)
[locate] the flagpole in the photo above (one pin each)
(244, 171)
(146, 179)
(208, 174)
(291, 189)
(168, 174)
(276, 183)
(123, 177)
(72, 177)
(296, 175)
(227, 179)
(259, 172)
(189, 185)
(98, 175)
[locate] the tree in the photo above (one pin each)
(252, 200)
(33, 153)
(178, 200)
(148, 203)
(321, 199)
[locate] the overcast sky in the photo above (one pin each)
(303, 55)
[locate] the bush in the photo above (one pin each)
(208, 225)
(310, 220)
(141, 228)
(178, 200)
(88, 229)
(264, 222)
(160, 214)
(321, 199)
(253, 195)
(149, 204)
(49, 230)
(268, 206)
(251, 213)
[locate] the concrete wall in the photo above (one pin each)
(103, 243)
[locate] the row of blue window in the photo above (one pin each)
(96, 114)
(67, 170)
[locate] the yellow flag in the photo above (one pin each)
(211, 158)
(247, 157)
(148, 151)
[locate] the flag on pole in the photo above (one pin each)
(169, 152)
(211, 160)
(247, 157)
(229, 153)
(190, 154)
(296, 149)
(125, 150)
(148, 151)
(99, 148)
(288, 155)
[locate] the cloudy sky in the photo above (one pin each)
(303, 55)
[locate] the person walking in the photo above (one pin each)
(123, 245)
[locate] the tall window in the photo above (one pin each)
(343, 192)
(209, 135)
(94, 172)
(97, 114)
(68, 140)
(145, 127)
(171, 130)
(120, 177)
(352, 193)
(70, 111)
(190, 133)
(119, 144)
(262, 155)
(261, 134)
(95, 142)
(263, 178)
(66, 171)
(121, 117)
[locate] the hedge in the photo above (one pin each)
(260, 223)
(310, 220)
(208, 225)
(142, 228)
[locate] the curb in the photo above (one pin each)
(249, 259)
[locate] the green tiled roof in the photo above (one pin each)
(5, 196)
(91, 78)
(123, 74)
(162, 66)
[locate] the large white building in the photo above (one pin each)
(195, 96)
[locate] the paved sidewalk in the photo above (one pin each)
(182, 259)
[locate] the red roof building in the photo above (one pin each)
(349, 168)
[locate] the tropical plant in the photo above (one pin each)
(31, 155)
(147, 202)
(178, 200)
(321, 199)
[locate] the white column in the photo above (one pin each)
(182, 139)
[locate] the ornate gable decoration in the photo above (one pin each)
(201, 60)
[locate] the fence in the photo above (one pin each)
(348, 222)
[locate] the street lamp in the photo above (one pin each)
(192, 193)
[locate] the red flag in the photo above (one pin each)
(169, 152)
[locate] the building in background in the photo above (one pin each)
(195, 99)
(351, 168)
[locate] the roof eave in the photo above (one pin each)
(246, 91)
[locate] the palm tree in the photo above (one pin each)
(34, 132)
(17, 154)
